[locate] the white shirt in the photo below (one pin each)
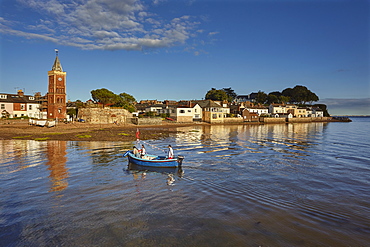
(170, 152)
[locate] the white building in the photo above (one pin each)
(190, 113)
(19, 105)
(277, 108)
(260, 110)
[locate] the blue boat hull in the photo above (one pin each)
(154, 161)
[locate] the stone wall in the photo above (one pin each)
(184, 119)
(308, 119)
(299, 120)
(321, 119)
(273, 120)
(146, 121)
(233, 120)
(104, 115)
(295, 120)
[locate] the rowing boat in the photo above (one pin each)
(154, 160)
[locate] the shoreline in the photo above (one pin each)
(21, 130)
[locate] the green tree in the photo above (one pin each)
(127, 102)
(276, 93)
(105, 97)
(300, 94)
(217, 94)
(272, 98)
(261, 97)
(311, 97)
(284, 99)
(230, 92)
(288, 92)
(72, 112)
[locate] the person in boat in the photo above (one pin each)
(136, 152)
(170, 152)
(142, 151)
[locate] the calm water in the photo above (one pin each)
(272, 185)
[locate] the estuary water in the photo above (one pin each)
(305, 184)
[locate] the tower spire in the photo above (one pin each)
(57, 66)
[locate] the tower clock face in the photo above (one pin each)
(60, 79)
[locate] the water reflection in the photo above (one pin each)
(140, 172)
(56, 156)
(228, 140)
(244, 186)
(18, 154)
(133, 168)
(102, 153)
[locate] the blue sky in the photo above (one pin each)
(179, 49)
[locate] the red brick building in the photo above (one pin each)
(56, 96)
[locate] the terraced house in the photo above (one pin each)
(19, 105)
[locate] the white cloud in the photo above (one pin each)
(103, 34)
(100, 24)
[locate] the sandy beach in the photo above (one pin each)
(20, 129)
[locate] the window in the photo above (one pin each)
(30, 107)
(23, 107)
(182, 111)
(2, 106)
(189, 110)
(2, 96)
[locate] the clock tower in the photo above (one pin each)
(56, 96)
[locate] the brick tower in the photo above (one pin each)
(56, 95)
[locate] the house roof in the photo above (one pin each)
(16, 98)
(256, 107)
(208, 103)
(277, 105)
(156, 105)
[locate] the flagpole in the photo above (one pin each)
(137, 136)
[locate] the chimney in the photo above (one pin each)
(20, 93)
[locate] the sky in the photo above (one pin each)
(180, 49)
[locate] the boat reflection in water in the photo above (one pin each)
(141, 171)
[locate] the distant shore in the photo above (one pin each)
(21, 130)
